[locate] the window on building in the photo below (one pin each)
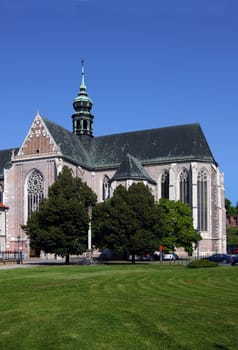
(165, 185)
(1, 194)
(184, 185)
(35, 191)
(105, 188)
(202, 200)
(85, 125)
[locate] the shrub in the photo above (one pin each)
(202, 263)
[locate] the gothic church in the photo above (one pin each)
(175, 162)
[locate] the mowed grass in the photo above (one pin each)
(119, 307)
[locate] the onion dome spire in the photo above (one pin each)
(82, 86)
(82, 118)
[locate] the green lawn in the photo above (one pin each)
(119, 307)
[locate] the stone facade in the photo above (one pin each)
(3, 225)
(40, 153)
(179, 153)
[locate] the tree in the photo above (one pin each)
(228, 206)
(230, 209)
(125, 222)
(232, 236)
(61, 224)
(175, 225)
(131, 222)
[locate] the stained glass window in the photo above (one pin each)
(184, 185)
(35, 191)
(202, 201)
(106, 188)
(165, 185)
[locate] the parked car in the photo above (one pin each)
(170, 256)
(144, 257)
(234, 259)
(220, 258)
(165, 256)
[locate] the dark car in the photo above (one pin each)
(220, 258)
(144, 257)
(234, 259)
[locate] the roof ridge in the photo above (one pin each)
(151, 129)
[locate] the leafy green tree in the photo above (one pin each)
(175, 225)
(228, 206)
(131, 222)
(232, 232)
(61, 224)
(232, 236)
(230, 209)
(125, 222)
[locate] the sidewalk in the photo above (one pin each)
(13, 266)
(29, 262)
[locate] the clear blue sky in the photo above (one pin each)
(148, 64)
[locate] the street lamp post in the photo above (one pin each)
(18, 249)
(198, 233)
(5, 229)
(90, 229)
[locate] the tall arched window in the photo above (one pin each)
(184, 186)
(165, 185)
(1, 194)
(35, 191)
(105, 188)
(202, 200)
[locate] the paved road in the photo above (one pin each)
(29, 263)
(14, 266)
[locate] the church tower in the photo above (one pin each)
(82, 118)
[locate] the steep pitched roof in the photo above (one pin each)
(69, 144)
(131, 168)
(163, 145)
(169, 144)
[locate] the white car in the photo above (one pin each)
(166, 256)
(170, 256)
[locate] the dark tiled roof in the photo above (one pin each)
(131, 168)
(170, 144)
(69, 144)
(5, 159)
